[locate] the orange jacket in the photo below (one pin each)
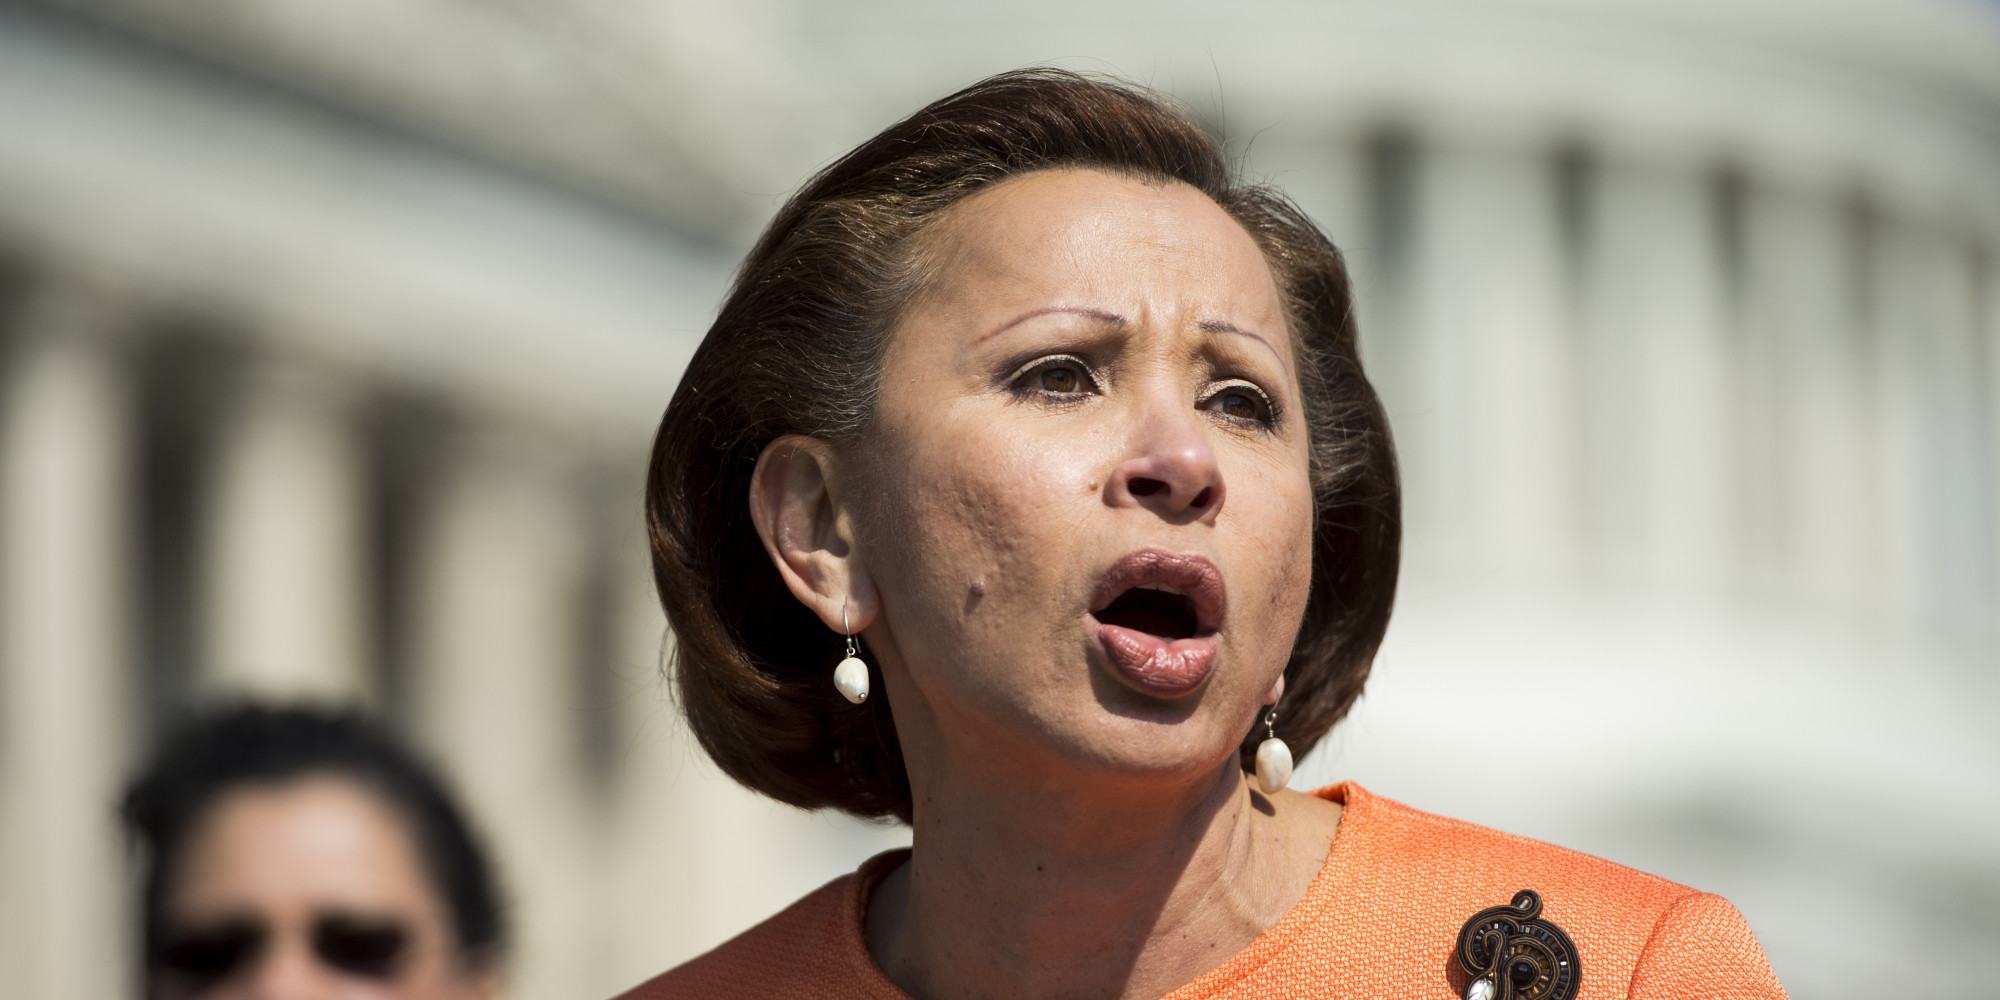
(1380, 922)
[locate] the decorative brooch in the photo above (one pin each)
(1509, 953)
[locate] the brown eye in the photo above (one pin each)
(1062, 380)
(1058, 376)
(1239, 402)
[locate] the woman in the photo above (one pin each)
(294, 853)
(1027, 489)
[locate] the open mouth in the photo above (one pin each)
(1155, 609)
(1155, 615)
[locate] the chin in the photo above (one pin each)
(1135, 736)
(1171, 755)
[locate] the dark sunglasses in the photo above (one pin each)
(363, 947)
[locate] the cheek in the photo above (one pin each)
(1276, 542)
(976, 516)
(435, 969)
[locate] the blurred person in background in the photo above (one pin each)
(1029, 396)
(293, 853)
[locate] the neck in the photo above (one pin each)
(1017, 890)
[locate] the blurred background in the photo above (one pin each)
(332, 336)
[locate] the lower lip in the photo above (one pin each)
(1154, 666)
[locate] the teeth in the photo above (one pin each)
(1164, 588)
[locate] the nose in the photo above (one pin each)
(1170, 469)
(289, 973)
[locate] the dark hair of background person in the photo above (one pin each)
(252, 746)
(797, 348)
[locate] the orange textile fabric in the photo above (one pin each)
(1380, 921)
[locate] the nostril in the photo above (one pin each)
(1145, 487)
(1201, 499)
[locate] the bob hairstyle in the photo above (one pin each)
(797, 348)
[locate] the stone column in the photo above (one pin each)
(1661, 411)
(1798, 256)
(1989, 350)
(66, 704)
(663, 903)
(499, 574)
(284, 562)
(1936, 482)
(1490, 423)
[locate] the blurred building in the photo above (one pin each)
(334, 335)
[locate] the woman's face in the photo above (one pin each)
(1084, 502)
(310, 888)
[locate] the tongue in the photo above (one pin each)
(1154, 665)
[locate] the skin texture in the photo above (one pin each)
(1098, 365)
(287, 853)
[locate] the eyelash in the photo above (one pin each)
(1022, 382)
(1086, 379)
(1268, 415)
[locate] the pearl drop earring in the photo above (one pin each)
(1274, 758)
(851, 677)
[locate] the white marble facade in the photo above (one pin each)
(329, 370)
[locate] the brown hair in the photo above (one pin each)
(797, 349)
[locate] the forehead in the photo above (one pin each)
(1086, 234)
(313, 841)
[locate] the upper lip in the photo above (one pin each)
(1190, 574)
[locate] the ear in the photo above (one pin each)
(1277, 690)
(808, 537)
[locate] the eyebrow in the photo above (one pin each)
(1219, 326)
(1096, 314)
(1205, 326)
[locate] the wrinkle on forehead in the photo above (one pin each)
(949, 248)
